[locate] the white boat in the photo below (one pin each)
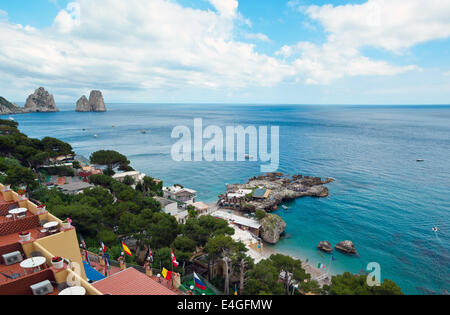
(435, 229)
(95, 136)
(284, 207)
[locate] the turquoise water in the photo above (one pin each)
(383, 200)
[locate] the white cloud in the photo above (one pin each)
(393, 25)
(227, 8)
(257, 36)
(447, 74)
(390, 25)
(142, 46)
(138, 45)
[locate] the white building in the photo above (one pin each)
(168, 206)
(180, 193)
(135, 175)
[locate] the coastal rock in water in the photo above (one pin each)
(41, 101)
(272, 226)
(325, 246)
(96, 102)
(346, 247)
(8, 108)
(83, 105)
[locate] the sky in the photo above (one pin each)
(228, 51)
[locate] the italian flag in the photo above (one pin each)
(321, 266)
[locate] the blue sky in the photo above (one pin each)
(228, 51)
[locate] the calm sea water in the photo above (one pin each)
(383, 200)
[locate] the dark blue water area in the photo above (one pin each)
(382, 200)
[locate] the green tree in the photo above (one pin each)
(109, 158)
(348, 284)
(260, 214)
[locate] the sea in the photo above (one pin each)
(383, 200)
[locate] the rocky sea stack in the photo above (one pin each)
(40, 102)
(346, 247)
(325, 246)
(95, 103)
(272, 226)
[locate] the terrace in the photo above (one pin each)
(26, 259)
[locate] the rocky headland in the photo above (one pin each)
(40, 101)
(95, 103)
(282, 188)
(8, 108)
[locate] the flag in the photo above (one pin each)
(198, 283)
(166, 274)
(107, 261)
(150, 254)
(321, 266)
(85, 250)
(174, 261)
(103, 246)
(126, 249)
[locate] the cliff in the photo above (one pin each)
(272, 226)
(40, 102)
(8, 108)
(95, 103)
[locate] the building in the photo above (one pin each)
(200, 207)
(75, 188)
(178, 192)
(16, 280)
(261, 193)
(245, 224)
(135, 175)
(132, 282)
(17, 250)
(168, 206)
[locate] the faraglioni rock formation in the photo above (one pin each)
(40, 102)
(94, 104)
(272, 226)
(346, 247)
(325, 246)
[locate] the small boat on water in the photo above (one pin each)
(143, 131)
(284, 207)
(420, 160)
(248, 156)
(435, 229)
(95, 136)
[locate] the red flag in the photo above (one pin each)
(174, 261)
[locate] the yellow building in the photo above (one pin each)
(29, 238)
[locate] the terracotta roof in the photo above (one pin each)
(131, 282)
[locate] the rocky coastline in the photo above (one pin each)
(41, 101)
(283, 188)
